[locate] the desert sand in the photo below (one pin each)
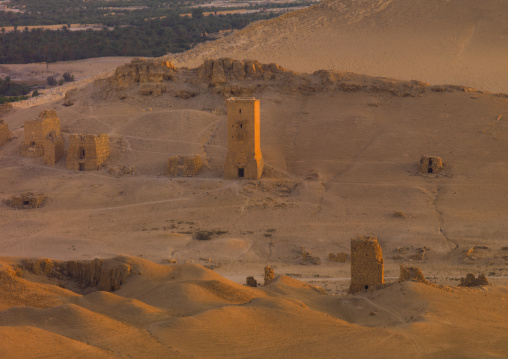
(341, 152)
(461, 42)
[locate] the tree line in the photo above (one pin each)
(150, 38)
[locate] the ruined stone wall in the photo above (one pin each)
(244, 158)
(367, 265)
(430, 164)
(4, 133)
(414, 274)
(87, 152)
(219, 72)
(184, 166)
(42, 133)
(27, 200)
(148, 72)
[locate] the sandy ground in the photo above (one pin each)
(187, 311)
(338, 164)
(442, 42)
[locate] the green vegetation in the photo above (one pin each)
(147, 38)
(12, 92)
(8, 88)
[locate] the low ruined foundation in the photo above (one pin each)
(188, 166)
(27, 200)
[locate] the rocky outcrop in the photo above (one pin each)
(414, 274)
(143, 71)
(107, 275)
(472, 281)
(221, 71)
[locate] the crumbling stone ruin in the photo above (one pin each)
(269, 274)
(414, 274)
(251, 282)
(184, 166)
(367, 265)
(87, 152)
(150, 74)
(430, 165)
(472, 281)
(43, 138)
(338, 257)
(221, 71)
(4, 133)
(107, 275)
(27, 200)
(307, 257)
(244, 159)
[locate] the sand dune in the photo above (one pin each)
(284, 318)
(442, 42)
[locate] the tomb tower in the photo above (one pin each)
(367, 265)
(244, 159)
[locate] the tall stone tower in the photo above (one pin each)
(244, 159)
(367, 265)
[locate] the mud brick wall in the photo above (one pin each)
(367, 265)
(184, 166)
(87, 152)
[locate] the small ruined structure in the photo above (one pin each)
(338, 257)
(269, 274)
(43, 138)
(430, 165)
(367, 265)
(244, 159)
(87, 152)
(4, 133)
(472, 281)
(414, 274)
(251, 282)
(184, 166)
(27, 200)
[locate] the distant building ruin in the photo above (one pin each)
(430, 165)
(87, 152)
(367, 265)
(244, 159)
(27, 200)
(4, 133)
(43, 138)
(184, 166)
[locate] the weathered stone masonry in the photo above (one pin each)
(367, 265)
(87, 152)
(43, 138)
(244, 159)
(184, 166)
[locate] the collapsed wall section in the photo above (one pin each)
(27, 200)
(367, 264)
(87, 152)
(189, 166)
